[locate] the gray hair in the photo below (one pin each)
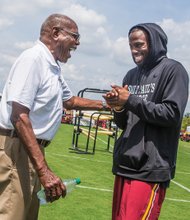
(56, 20)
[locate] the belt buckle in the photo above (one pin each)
(44, 143)
(12, 133)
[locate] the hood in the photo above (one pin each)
(158, 43)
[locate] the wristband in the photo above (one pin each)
(121, 110)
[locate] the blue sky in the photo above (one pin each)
(103, 56)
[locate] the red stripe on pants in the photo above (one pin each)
(136, 200)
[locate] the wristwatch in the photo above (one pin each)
(104, 104)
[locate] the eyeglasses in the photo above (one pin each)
(76, 36)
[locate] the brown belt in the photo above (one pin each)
(12, 134)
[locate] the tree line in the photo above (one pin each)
(185, 121)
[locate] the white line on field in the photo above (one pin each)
(178, 200)
(109, 190)
(186, 173)
(104, 141)
(186, 153)
(185, 146)
(180, 185)
(80, 158)
(94, 188)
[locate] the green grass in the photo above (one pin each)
(92, 199)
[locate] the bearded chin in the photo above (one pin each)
(138, 63)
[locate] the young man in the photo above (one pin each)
(149, 108)
(30, 114)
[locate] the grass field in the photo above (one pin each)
(92, 199)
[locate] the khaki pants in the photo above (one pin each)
(19, 182)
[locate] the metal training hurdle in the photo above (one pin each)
(111, 131)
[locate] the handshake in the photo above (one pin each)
(117, 97)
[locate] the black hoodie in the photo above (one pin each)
(151, 121)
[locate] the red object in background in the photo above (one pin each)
(67, 117)
(102, 123)
(185, 136)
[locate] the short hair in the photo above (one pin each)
(56, 20)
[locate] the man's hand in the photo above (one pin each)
(117, 97)
(54, 188)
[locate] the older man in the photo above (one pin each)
(30, 114)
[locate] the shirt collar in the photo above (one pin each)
(48, 54)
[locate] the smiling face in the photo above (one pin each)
(67, 41)
(60, 34)
(138, 42)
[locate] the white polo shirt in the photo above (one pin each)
(35, 81)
